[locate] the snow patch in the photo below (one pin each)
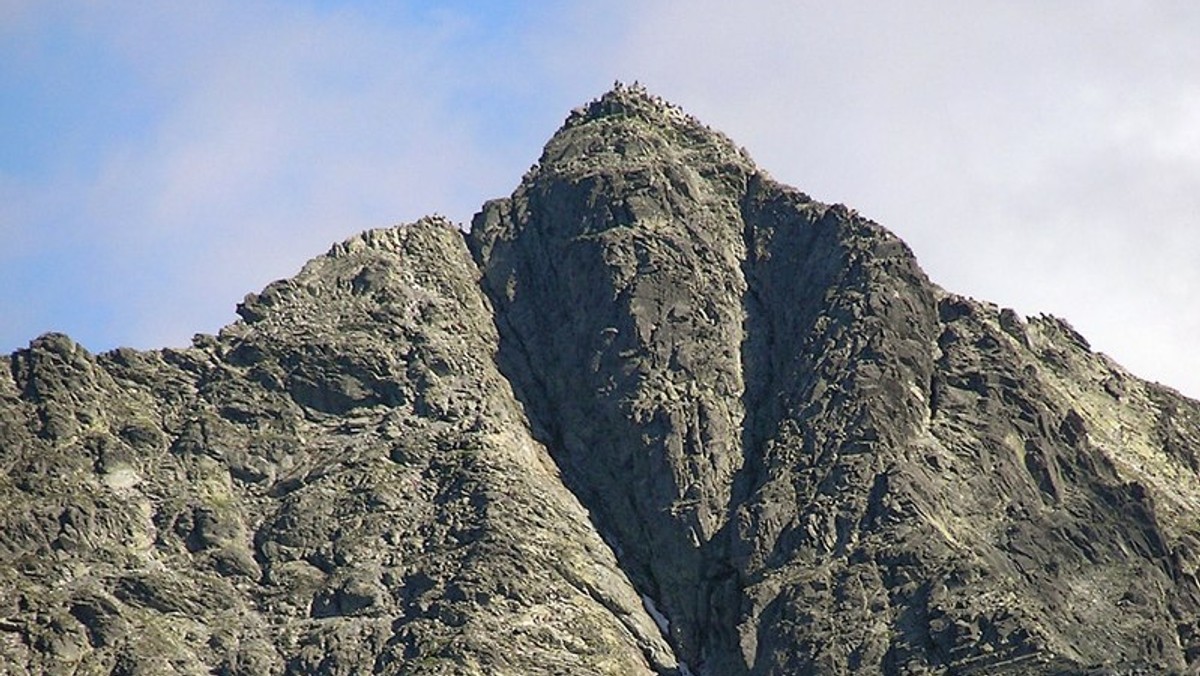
(664, 625)
(613, 545)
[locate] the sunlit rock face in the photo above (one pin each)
(653, 413)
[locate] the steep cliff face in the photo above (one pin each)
(810, 456)
(615, 270)
(655, 413)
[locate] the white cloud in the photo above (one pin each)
(273, 135)
(1040, 156)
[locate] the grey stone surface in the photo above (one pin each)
(340, 483)
(654, 413)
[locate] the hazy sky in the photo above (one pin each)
(160, 160)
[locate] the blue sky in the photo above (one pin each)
(160, 160)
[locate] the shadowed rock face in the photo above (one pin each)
(655, 413)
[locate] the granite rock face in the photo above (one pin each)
(340, 483)
(654, 413)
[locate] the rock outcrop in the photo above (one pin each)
(340, 483)
(654, 413)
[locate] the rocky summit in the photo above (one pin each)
(654, 413)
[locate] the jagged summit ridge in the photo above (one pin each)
(629, 125)
(634, 100)
(655, 413)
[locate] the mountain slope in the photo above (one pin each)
(654, 413)
(340, 482)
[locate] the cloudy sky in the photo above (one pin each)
(160, 160)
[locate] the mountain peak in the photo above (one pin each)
(656, 414)
(627, 100)
(628, 126)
